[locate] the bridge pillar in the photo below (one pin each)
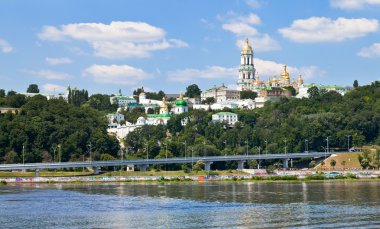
(143, 167)
(285, 163)
(96, 170)
(208, 165)
(241, 165)
(37, 173)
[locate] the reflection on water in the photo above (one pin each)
(191, 205)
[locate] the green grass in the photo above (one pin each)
(172, 173)
(44, 174)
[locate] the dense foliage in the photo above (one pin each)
(52, 130)
(290, 123)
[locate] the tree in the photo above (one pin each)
(248, 95)
(11, 92)
(312, 164)
(333, 163)
(322, 164)
(193, 91)
(199, 166)
(313, 92)
(209, 100)
(2, 93)
(33, 88)
(356, 84)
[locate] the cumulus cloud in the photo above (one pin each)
(322, 29)
(5, 46)
(48, 74)
(57, 61)
(211, 72)
(53, 88)
(243, 27)
(254, 4)
(116, 74)
(265, 68)
(114, 40)
(353, 4)
(371, 51)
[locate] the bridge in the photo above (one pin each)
(144, 163)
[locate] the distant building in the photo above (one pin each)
(4, 110)
(230, 118)
(220, 94)
(115, 117)
(181, 105)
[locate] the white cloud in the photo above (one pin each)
(265, 68)
(243, 27)
(48, 74)
(371, 51)
(114, 40)
(254, 4)
(353, 4)
(116, 74)
(211, 72)
(58, 61)
(53, 88)
(322, 29)
(5, 46)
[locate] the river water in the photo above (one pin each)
(192, 205)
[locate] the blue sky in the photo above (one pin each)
(104, 46)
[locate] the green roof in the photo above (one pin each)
(225, 113)
(158, 115)
(181, 103)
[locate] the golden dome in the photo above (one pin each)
(268, 82)
(274, 79)
(246, 46)
(285, 74)
(164, 105)
(300, 80)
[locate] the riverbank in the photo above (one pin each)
(240, 177)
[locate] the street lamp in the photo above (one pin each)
(166, 150)
(266, 147)
(204, 148)
(225, 147)
(348, 143)
(285, 146)
(147, 151)
(23, 154)
(59, 153)
(306, 145)
(185, 149)
(90, 149)
(246, 141)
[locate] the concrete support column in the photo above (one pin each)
(37, 173)
(241, 165)
(143, 167)
(285, 163)
(96, 170)
(208, 165)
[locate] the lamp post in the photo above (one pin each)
(166, 150)
(147, 151)
(246, 141)
(90, 149)
(266, 147)
(225, 147)
(327, 146)
(348, 143)
(204, 148)
(306, 145)
(185, 149)
(285, 146)
(59, 153)
(23, 154)
(54, 148)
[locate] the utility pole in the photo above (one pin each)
(348, 143)
(266, 147)
(247, 146)
(23, 154)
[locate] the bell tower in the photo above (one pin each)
(247, 69)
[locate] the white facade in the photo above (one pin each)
(220, 94)
(122, 100)
(225, 104)
(230, 118)
(117, 116)
(247, 69)
(121, 131)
